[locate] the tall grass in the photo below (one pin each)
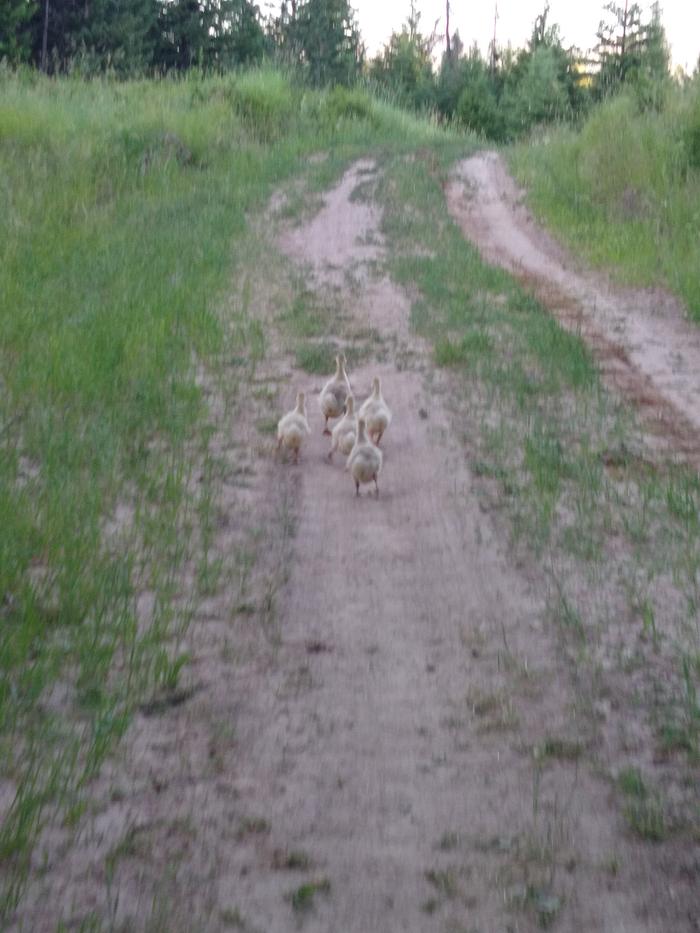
(121, 207)
(624, 191)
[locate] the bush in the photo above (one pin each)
(342, 103)
(265, 101)
(478, 110)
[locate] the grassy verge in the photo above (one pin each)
(615, 528)
(624, 191)
(122, 209)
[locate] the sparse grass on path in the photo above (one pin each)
(613, 528)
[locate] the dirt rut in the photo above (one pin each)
(646, 348)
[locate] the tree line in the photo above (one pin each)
(499, 95)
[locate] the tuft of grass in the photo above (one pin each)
(302, 898)
(647, 818)
(305, 318)
(558, 748)
(317, 359)
(294, 860)
(469, 349)
(494, 709)
(644, 809)
(631, 783)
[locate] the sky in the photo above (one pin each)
(578, 21)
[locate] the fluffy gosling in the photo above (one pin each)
(376, 412)
(365, 460)
(345, 431)
(293, 427)
(334, 393)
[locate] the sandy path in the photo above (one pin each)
(415, 677)
(646, 347)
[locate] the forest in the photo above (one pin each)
(500, 94)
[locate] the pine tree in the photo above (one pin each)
(405, 65)
(15, 35)
(98, 34)
(631, 51)
(323, 37)
(208, 34)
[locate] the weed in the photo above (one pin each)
(647, 818)
(317, 359)
(558, 748)
(167, 671)
(444, 882)
(302, 898)
(494, 710)
(631, 783)
(253, 826)
(134, 844)
(294, 860)
(644, 808)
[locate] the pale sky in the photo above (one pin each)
(578, 22)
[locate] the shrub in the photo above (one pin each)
(342, 103)
(265, 101)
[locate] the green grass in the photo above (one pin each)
(123, 222)
(643, 808)
(316, 359)
(624, 191)
(302, 898)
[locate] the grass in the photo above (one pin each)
(316, 359)
(123, 222)
(123, 217)
(643, 808)
(302, 898)
(624, 191)
(494, 710)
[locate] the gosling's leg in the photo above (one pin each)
(357, 488)
(325, 427)
(376, 485)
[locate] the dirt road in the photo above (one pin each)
(394, 745)
(645, 345)
(406, 752)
